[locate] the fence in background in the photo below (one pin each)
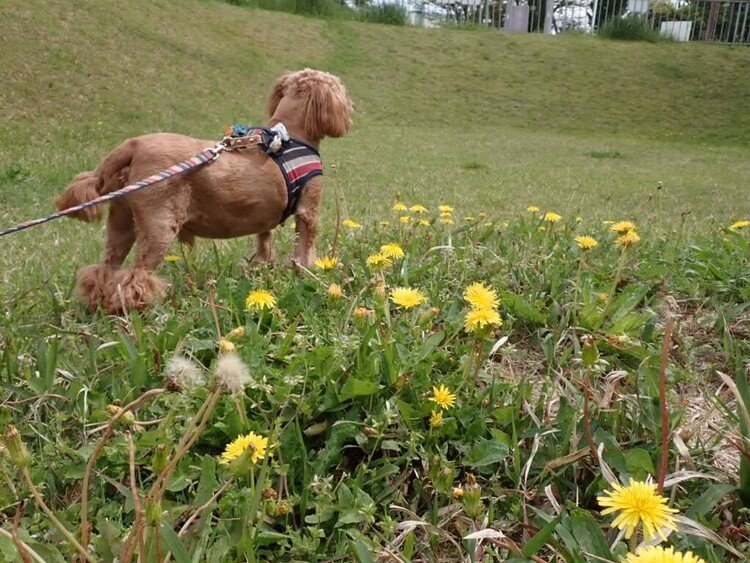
(722, 21)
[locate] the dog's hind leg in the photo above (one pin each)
(263, 252)
(120, 234)
(138, 287)
(94, 281)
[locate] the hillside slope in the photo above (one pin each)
(92, 69)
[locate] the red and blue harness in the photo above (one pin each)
(298, 161)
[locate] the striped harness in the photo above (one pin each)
(298, 161)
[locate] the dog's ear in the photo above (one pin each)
(328, 110)
(279, 89)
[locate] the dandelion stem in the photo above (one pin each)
(587, 414)
(194, 516)
(20, 544)
(188, 439)
(46, 509)
(16, 540)
(663, 404)
(98, 450)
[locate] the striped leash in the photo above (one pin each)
(205, 157)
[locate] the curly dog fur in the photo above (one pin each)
(241, 193)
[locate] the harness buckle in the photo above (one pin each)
(230, 143)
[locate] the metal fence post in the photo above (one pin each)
(548, 17)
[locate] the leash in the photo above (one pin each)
(204, 157)
(237, 137)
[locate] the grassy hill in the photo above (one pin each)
(188, 65)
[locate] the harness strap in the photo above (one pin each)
(208, 155)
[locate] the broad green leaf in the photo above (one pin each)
(521, 308)
(487, 452)
(709, 499)
(639, 463)
(539, 540)
(361, 552)
(428, 346)
(207, 484)
(174, 544)
(354, 387)
(588, 534)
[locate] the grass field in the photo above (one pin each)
(365, 465)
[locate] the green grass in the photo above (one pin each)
(488, 123)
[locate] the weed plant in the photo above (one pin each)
(396, 420)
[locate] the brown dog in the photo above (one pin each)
(241, 193)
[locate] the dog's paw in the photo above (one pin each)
(133, 289)
(262, 259)
(93, 284)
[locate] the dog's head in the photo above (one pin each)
(320, 96)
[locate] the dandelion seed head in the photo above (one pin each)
(232, 373)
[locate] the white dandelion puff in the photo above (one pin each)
(183, 373)
(232, 373)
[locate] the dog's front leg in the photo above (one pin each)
(263, 252)
(306, 218)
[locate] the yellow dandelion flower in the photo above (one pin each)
(446, 214)
(252, 442)
(392, 250)
(398, 206)
(326, 263)
(407, 298)
(446, 220)
(260, 299)
(445, 209)
(479, 319)
(532, 209)
(418, 209)
(552, 217)
(579, 219)
(335, 291)
(379, 261)
(458, 492)
(622, 227)
(443, 397)
(404, 218)
(638, 503)
(586, 242)
(479, 296)
(351, 223)
(436, 419)
(226, 346)
(628, 239)
(481, 215)
(733, 226)
(659, 554)
(172, 258)
(423, 223)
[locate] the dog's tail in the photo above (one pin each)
(113, 170)
(111, 175)
(80, 190)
